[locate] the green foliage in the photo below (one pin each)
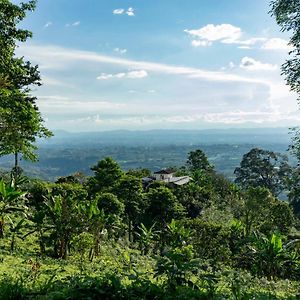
(210, 240)
(110, 205)
(146, 237)
(21, 123)
(197, 160)
(107, 174)
(10, 202)
(286, 13)
(261, 211)
(163, 206)
(262, 168)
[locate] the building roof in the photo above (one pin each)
(165, 171)
(180, 180)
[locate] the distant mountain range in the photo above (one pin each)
(258, 136)
(66, 152)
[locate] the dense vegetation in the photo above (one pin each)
(107, 236)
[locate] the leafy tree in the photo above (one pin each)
(20, 126)
(287, 16)
(163, 207)
(20, 121)
(62, 211)
(95, 222)
(197, 160)
(112, 209)
(110, 205)
(194, 198)
(177, 263)
(261, 211)
(294, 190)
(9, 203)
(18, 73)
(106, 177)
(130, 191)
(210, 239)
(263, 168)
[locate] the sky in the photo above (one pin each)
(160, 64)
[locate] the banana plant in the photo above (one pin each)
(146, 237)
(15, 228)
(9, 203)
(96, 220)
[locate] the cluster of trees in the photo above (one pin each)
(223, 221)
(191, 232)
(208, 224)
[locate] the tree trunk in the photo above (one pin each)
(12, 244)
(16, 161)
(130, 231)
(2, 228)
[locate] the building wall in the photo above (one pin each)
(163, 176)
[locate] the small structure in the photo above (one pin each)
(167, 176)
(164, 174)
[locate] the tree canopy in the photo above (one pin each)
(263, 168)
(21, 123)
(287, 15)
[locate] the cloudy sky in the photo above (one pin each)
(140, 64)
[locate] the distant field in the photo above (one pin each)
(67, 153)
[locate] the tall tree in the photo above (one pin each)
(20, 73)
(20, 126)
(20, 120)
(263, 168)
(130, 191)
(287, 14)
(198, 161)
(107, 175)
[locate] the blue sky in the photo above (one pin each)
(141, 64)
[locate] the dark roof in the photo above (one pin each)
(165, 171)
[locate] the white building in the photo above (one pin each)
(167, 176)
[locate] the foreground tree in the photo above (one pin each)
(20, 126)
(287, 14)
(263, 168)
(20, 120)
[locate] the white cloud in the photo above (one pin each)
(77, 23)
(130, 75)
(244, 47)
(120, 11)
(48, 24)
(199, 43)
(257, 117)
(224, 33)
(137, 74)
(121, 51)
(276, 44)
(58, 56)
(130, 12)
(213, 32)
(251, 64)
